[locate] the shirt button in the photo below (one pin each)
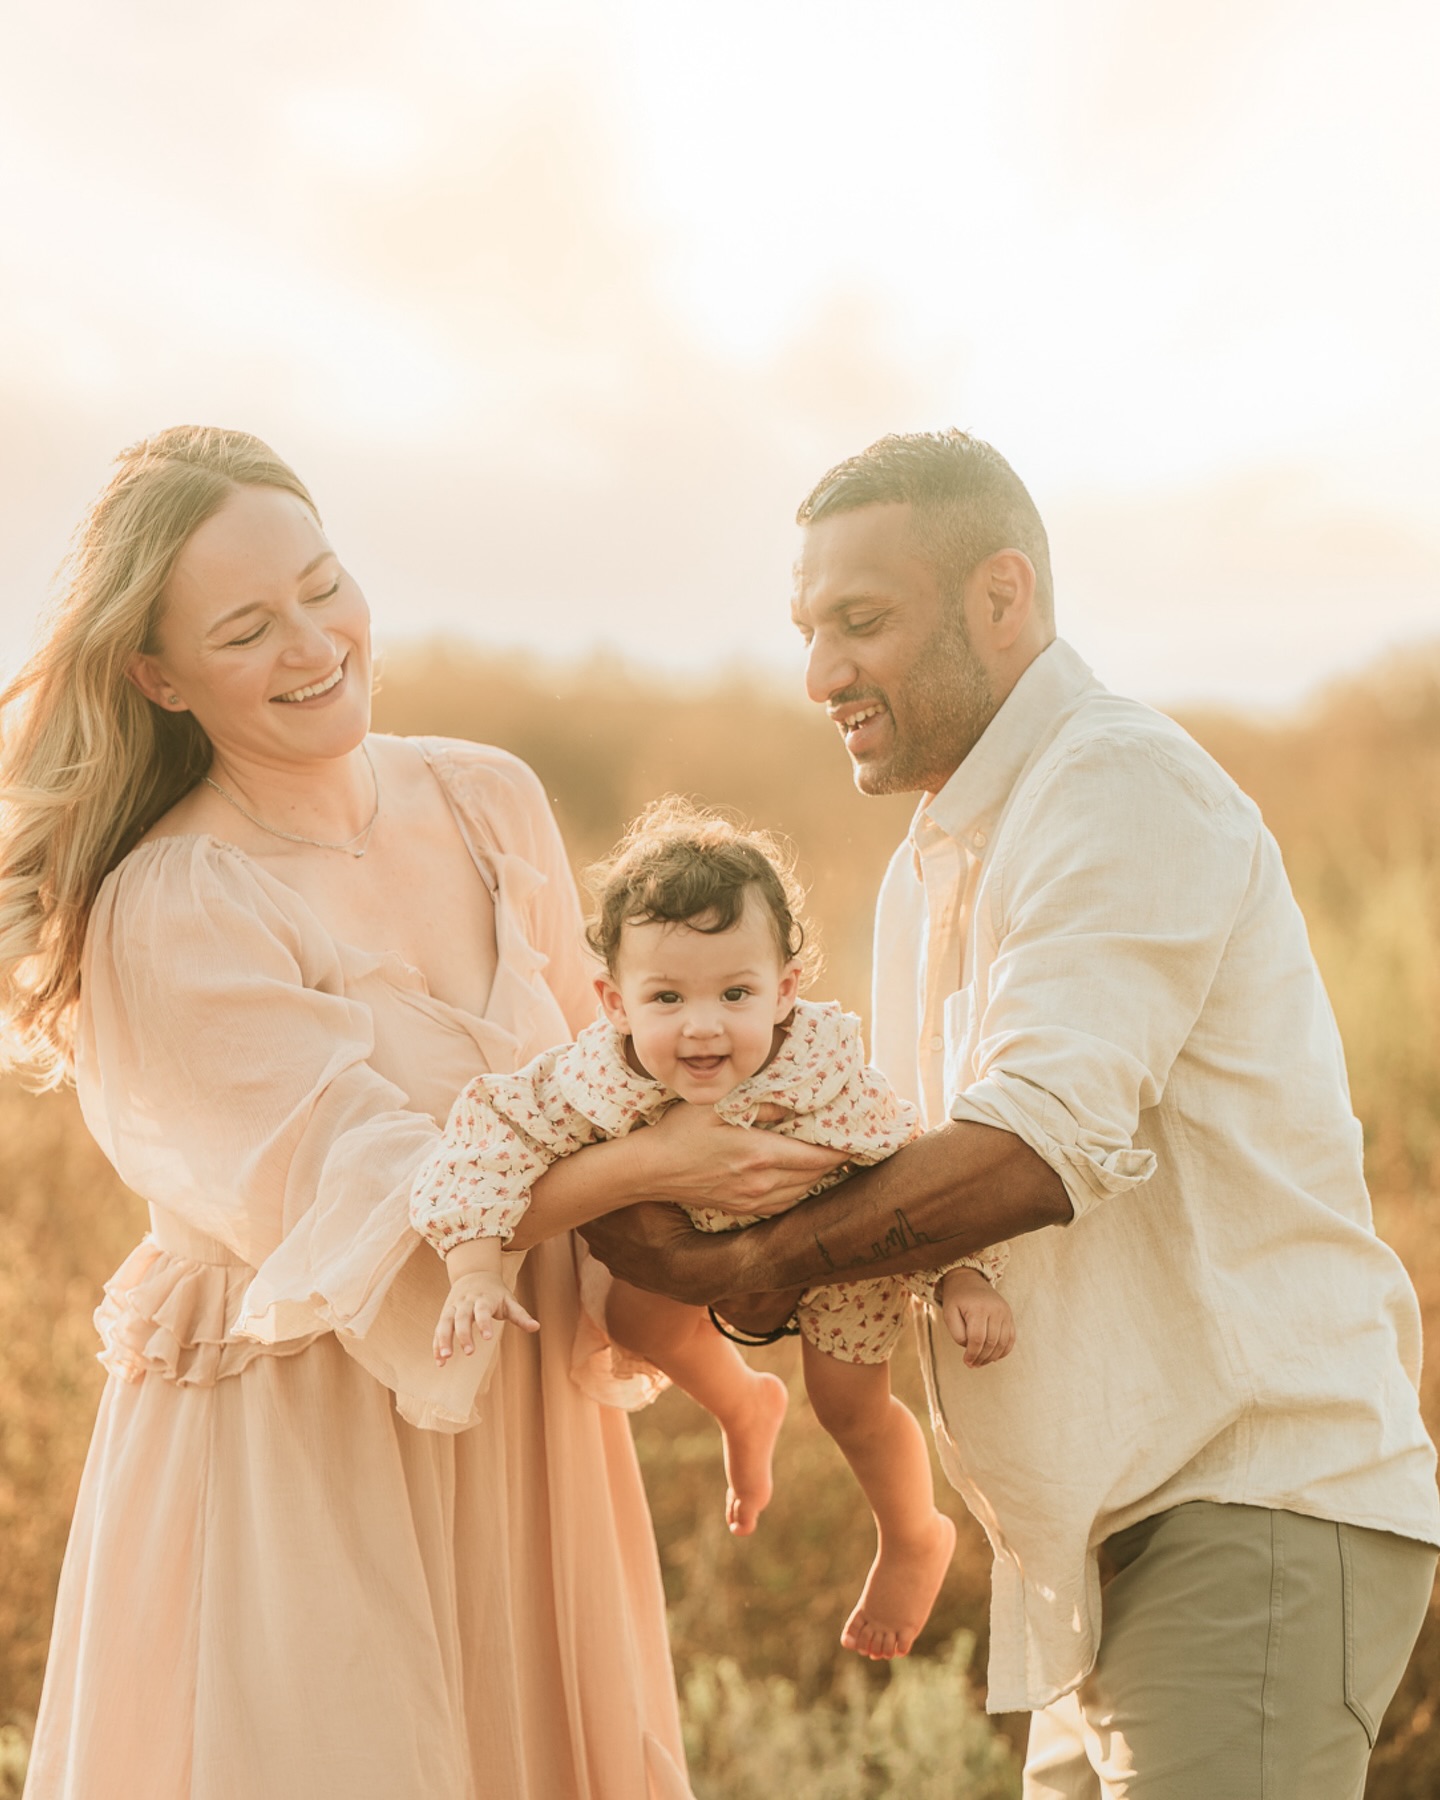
(979, 840)
(937, 1043)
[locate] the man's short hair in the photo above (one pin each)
(968, 503)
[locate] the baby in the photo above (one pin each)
(699, 932)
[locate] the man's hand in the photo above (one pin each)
(756, 1315)
(657, 1248)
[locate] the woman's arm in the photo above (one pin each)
(690, 1157)
(946, 1195)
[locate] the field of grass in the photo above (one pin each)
(1352, 791)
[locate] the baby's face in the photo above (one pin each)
(700, 1008)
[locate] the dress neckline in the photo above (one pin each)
(484, 866)
(487, 867)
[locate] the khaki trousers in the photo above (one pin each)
(1245, 1654)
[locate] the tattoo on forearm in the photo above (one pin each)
(901, 1236)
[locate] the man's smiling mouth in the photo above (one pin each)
(849, 720)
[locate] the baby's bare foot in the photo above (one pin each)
(899, 1592)
(749, 1438)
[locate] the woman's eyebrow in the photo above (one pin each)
(251, 605)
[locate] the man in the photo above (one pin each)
(1202, 1470)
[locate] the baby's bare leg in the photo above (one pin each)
(748, 1405)
(885, 1446)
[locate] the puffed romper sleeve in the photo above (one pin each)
(224, 1071)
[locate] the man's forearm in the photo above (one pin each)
(947, 1195)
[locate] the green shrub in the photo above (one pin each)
(920, 1736)
(14, 1756)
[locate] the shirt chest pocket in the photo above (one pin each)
(960, 1042)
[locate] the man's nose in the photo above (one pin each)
(828, 668)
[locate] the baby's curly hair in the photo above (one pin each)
(682, 864)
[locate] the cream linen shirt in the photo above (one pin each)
(1089, 940)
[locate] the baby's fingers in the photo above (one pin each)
(489, 1315)
(985, 1338)
(445, 1337)
(464, 1326)
(977, 1336)
(517, 1315)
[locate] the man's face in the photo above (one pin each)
(890, 659)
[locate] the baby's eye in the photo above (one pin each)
(736, 993)
(667, 997)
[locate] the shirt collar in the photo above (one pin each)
(967, 806)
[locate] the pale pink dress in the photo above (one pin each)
(280, 1584)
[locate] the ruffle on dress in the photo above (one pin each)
(166, 1315)
(599, 1367)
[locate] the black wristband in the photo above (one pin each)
(753, 1340)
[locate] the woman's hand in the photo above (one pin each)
(692, 1157)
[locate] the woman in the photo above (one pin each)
(305, 1562)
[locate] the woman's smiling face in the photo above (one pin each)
(262, 635)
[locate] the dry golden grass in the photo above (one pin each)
(1352, 791)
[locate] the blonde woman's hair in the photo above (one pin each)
(87, 763)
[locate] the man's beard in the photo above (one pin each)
(947, 701)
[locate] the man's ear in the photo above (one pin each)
(611, 1003)
(788, 992)
(145, 673)
(1004, 590)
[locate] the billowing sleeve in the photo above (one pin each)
(1125, 873)
(225, 1072)
(503, 1132)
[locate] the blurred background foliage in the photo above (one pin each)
(1351, 788)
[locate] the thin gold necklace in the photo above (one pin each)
(355, 846)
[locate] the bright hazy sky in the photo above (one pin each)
(560, 307)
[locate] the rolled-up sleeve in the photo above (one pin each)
(1109, 912)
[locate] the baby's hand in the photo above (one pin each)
(476, 1305)
(979, 1319)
